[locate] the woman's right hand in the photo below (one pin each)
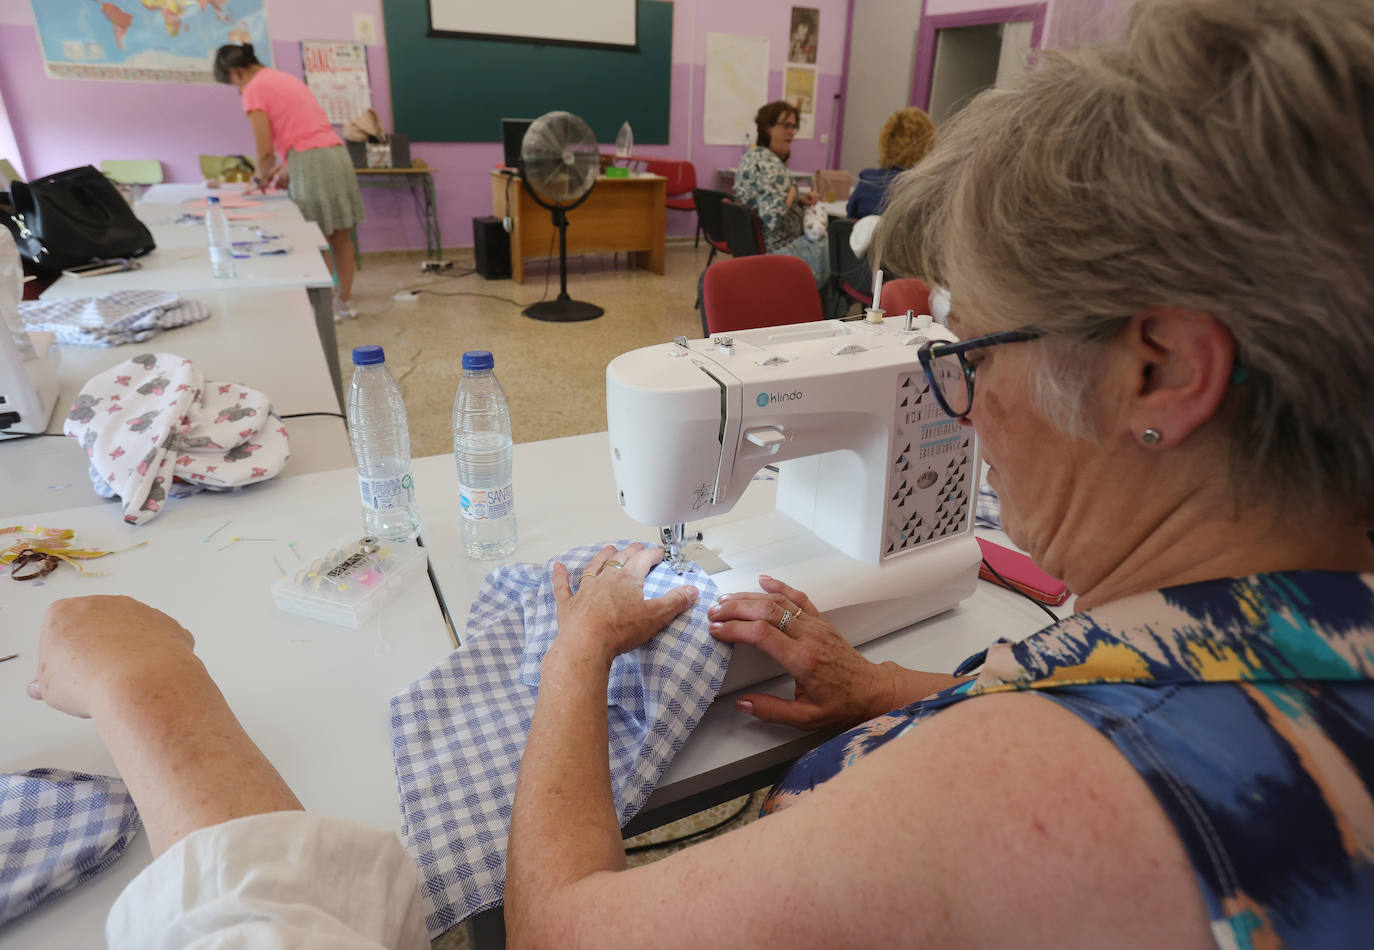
(835, 684)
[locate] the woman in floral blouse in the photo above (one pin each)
(764, 184)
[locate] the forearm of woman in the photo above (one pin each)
(564, 827)
(187, 761)
(910, 685)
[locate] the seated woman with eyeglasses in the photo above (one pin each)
(764, 184)
(1160, 259)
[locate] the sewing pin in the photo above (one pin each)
(279, 570)
(292, 546)
(10, 657)
(215, 532)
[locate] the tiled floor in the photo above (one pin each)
(553, 374)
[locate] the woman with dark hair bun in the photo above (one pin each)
(287, 119)
(764, 184)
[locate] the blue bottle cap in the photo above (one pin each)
(368, 355)
(478, 359)
(212, 199)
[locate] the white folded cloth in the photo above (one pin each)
(155, 417)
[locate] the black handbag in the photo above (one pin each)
(73, 217)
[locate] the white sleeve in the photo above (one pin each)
(282, 880)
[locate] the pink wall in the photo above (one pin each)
(62, 123)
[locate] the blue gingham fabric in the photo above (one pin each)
(125, 316)
(459, 732)
(988, 508)
(58, 829)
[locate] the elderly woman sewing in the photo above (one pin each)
(1159, 255)
(1160, 261)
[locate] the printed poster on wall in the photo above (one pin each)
(337, 74)
(799, 88)
(145, 40)
(802, 33)
(736, 85)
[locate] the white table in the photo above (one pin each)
(183, 266)
(265, 339)
(314, 696)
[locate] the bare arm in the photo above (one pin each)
(130, 668)
(266, 151)
(835, 684)
(1002, 821)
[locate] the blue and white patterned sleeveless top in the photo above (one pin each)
(1247, 706)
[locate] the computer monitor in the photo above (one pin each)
(512, 136)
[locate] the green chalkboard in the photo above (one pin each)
(450, 89)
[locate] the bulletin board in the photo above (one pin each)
(448, 89)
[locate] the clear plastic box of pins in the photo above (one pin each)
(351, 581)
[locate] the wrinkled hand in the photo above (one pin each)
(90, 642)
(810, 198)
(609, 614)
(835, 684)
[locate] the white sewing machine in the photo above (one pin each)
(875, 483)
(28, 384)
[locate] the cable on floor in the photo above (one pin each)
(1007, 584)
(298, 415)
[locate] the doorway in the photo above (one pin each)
(960, 55)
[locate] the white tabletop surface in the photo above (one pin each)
(565, 496)
(314, 696)
(265, 339)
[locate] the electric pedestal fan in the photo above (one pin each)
(559, 163)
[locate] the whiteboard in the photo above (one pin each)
(586, 22)
(736, 85)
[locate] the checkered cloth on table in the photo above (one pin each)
(987, 511)
(459, 732)
(57, 830)
(125, 316)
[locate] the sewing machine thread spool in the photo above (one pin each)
(873, 315)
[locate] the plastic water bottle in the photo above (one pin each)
(485, 454)
(381, 448)
(221, 249)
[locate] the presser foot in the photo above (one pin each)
(672, 538)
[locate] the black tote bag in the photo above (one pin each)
(73, 217)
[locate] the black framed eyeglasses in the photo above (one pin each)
(949, 372)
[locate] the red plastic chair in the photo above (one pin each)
(906, 293)
(765, 290)
(682, 180)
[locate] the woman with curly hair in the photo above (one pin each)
(905, 138)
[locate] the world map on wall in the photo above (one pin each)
(145, 40)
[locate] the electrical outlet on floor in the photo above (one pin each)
(405, 296)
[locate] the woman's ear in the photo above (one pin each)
(1182, 361)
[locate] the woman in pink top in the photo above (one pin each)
(288, 120)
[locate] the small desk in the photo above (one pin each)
(620, 214)
(408, 178)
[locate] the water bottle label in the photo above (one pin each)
(387, 494)
(486, 504)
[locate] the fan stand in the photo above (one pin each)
(562, 309)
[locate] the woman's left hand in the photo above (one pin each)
(809, 198)
(609, 614)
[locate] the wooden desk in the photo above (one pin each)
(408, 178)
(621, 214)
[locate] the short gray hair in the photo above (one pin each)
(1219, 159)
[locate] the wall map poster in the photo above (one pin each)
(145, 40)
